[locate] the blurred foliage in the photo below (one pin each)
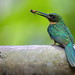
(18, 26)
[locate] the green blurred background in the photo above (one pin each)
(18, 26)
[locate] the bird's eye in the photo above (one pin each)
(52, 16)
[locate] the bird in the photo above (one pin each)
(60, 33)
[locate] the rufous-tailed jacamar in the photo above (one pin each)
(60, 33)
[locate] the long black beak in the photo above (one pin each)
(40, 13)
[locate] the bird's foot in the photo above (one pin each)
(54, 44)
(61, 46)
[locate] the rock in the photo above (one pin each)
(34, 60)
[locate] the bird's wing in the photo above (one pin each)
(62, 37)
(62, 24)
(59, 34)
(69, 33)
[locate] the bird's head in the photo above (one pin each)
(52, 17)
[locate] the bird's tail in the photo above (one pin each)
(70, 54)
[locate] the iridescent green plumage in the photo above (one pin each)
(60, 33)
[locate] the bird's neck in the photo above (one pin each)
(52, 23)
